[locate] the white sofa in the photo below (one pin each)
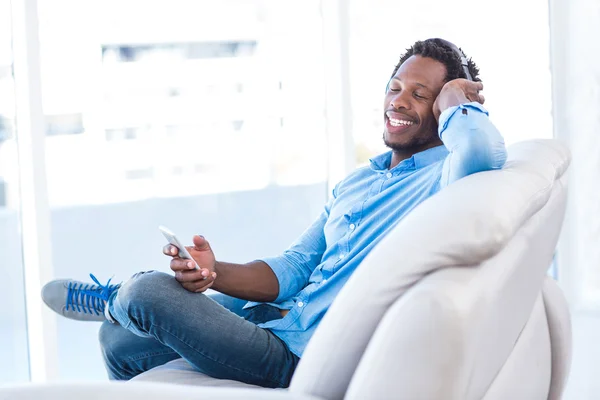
(458, 306)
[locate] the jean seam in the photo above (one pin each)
(146, 355)
(213, 360)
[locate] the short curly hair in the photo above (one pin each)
(438, 50)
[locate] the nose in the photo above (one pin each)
(400, 100)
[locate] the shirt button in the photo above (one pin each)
(352, 226)
(342, 256)
(389, 174)
(324, 280)
(300, 304)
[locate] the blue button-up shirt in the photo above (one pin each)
(364, 207)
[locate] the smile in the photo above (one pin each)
(400, 122)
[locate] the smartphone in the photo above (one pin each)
(172, 239)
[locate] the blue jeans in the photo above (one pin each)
(159, 321)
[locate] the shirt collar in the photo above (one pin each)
(417, 161)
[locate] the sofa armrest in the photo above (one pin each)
(559, 323)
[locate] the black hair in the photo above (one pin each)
(439, 51)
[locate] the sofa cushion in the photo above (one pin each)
(181, 372)
(137, 391)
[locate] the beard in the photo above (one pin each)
(414, 144)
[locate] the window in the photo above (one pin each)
(186, 51)
(180, 108)
(65, 124)
(6, 124)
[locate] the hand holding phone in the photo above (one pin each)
(199, 276)
(173, 240)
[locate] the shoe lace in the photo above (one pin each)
(89, 298)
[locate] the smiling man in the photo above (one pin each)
(438, 132)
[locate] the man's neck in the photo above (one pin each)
(400, 155)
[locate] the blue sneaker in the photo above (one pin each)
(78, 300)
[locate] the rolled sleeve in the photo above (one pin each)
(287, 281)
(447, 115)
(291, 274)
(473, 142)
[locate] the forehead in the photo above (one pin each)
(423, 70)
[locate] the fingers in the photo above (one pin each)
(199, 286)
(477, 85)
(475, 97)
(200, 243)
(478, 97)
(472, 91)
(170, 250)
(182, 264)
(466, 84)
(192, 276)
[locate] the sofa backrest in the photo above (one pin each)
(464, 225)
(476, 332)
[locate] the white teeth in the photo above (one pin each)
(398, 122)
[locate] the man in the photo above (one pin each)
(437, 131)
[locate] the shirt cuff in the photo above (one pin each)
(282, 271)
(448, 113)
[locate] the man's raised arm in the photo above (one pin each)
(474, 143)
